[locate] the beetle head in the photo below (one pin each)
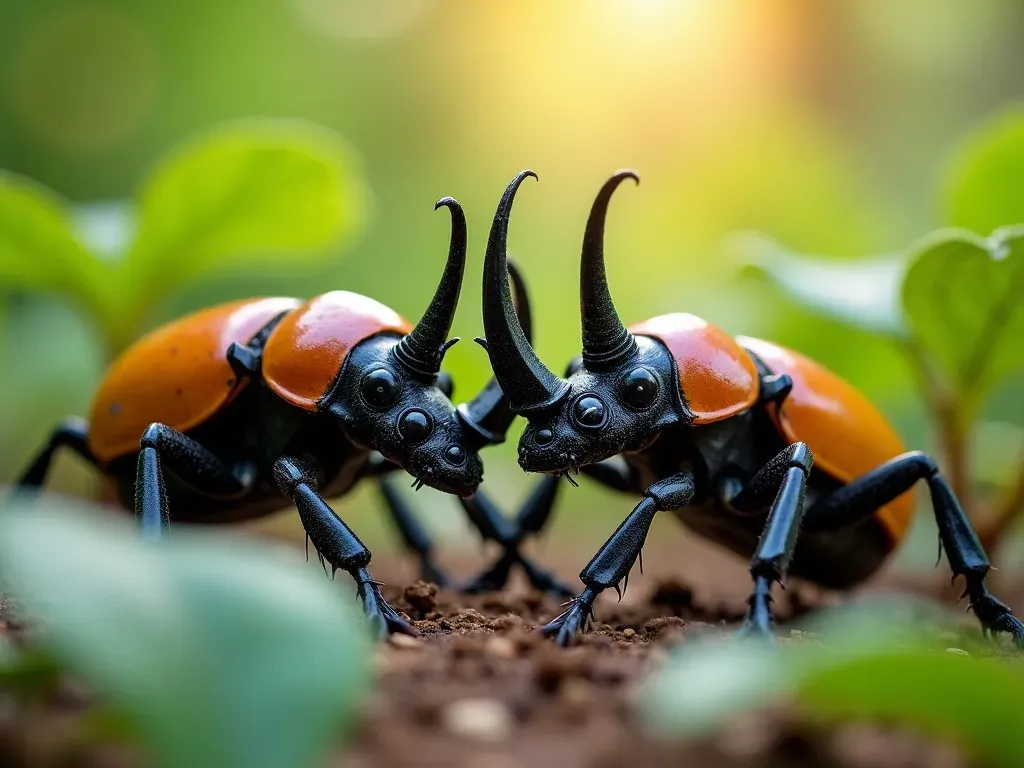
(616, 397)
(393, 397)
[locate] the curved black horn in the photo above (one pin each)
(528, 384)
(489, 414)
(422, 349)
(606, 342)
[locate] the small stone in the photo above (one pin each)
(957, 651)
(405, 642)
(501, 647)
(629, 633)
(478, 719)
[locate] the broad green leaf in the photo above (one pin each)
(859, 665)
(217, 652)
(983, 188)
(863, 293)
(105, 226)
(247, 191)
(38, 248)
(963, 300)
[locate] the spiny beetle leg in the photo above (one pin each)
(574, 618)
(493, 526)
(862, 498)
(163, 449)
(383, 618)
(71, 433)
(785, 478)
(335, 542)
(494, 578)
(615, 558)
(759, 621)
(414, 535)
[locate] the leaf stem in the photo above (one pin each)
(1007, 511)
(948, 414)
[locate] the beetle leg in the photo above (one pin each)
(531, 519)
(785, 477)
(865, 495)
(336, 543)
(414, 535)
(163, 448)
(493, 526)
(71, 433)
(616, 556)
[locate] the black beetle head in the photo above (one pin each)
(410, 421)
(393, 397)
(617, 397)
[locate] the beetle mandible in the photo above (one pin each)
(248, 406)
(723, 432)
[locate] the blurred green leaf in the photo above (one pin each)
(218, 653)
(863, 293)
(243, 193)
(861, 663)
(983, 187)
(38, 248)
(962, 296)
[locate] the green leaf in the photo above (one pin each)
(217, 652)
(983, 188)
(38, 248)
(863, 293)
(861, 664)
(243, 193)
(962, 297)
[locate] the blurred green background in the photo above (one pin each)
(824, 125)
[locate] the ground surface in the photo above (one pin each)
(479, 687)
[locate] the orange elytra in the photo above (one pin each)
(177, 375)
(306, 350)
(717, 376)
(847, 434)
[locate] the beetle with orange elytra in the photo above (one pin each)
(751, 445)
(249, 406)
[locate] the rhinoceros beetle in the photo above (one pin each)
(237, 410)
(723, 432)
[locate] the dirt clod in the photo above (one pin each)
(421, 597)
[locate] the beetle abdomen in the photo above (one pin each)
(177, 375)
(717, 377)
(847, 434)
(306, 350)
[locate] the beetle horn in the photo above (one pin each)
(422, 349)
(528, 384)
(606, 342)
(489, 414)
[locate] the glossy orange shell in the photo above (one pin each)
(177, 375)
(306, 350)
(847, 434)
(717, 376)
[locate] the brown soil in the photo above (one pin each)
(480, 687)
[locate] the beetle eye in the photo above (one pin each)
(640, 389)
(380, 388)
(414, 426)
(590, 412)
